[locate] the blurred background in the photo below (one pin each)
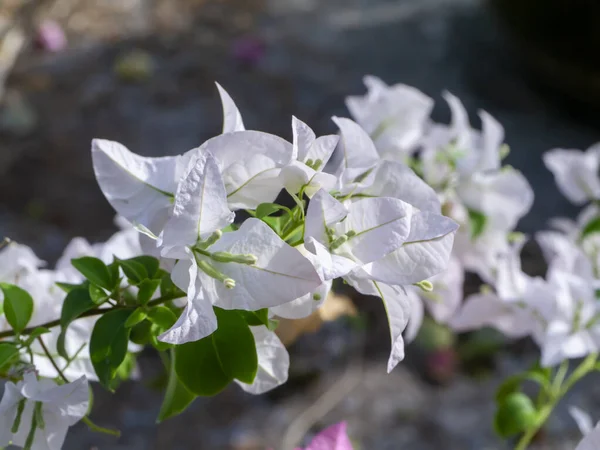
(142, 72)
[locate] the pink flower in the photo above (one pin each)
(333, 438)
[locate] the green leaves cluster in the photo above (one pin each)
(201, 368)
(110, 290)
(287, 223)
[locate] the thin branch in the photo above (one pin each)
(90, 313)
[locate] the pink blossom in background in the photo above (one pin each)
(248, 50)
(51, 37)
(333, 438)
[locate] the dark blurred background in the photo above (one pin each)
(142, 72)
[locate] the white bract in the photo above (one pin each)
(273, 362)
(37, 414)
(576, 173)
(591, 440)
(394, 116)
(311, 154)
(250, 268)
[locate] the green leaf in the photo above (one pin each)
(150, 264)
(207, 366)
(514, 415)
(162, 316)
(97, 294)
(18, 306)
(67, 287)
(256, 318)
(509, 386)
(76, 303)
(108, 344)
(115, 274)
(8, 354)
(133, 270)
(478, 221)
(277, 223)
(136, 317)
(593, 226)
(177, 397)
(267, 209)
(95, 271)
(140, 333)
(146, 290)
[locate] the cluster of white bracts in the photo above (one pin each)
(371, 221)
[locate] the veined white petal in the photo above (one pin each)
(250, 163)
(394, 179)
(137, 187)
(232, 119)
(397, 307)
(200, 206)
(198, 318)
(281, 274)
(381, 225)
(358, 150)
(273, 362)
(323, 211)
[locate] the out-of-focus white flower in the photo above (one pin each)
(38, 413)
(576, 173)
(394, 116)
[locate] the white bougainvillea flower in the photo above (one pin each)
(394, 179)
(310, 156)
(573, 328)
(459, 148)
(562, 254)
(364, 231)
(275, 274)
(199, 210)
(503, 197)
(198, 318)
(356, 155)
(39, 412)
(139, 188)
(273, 362)
(251, 268)
(488, 310)
(307, 304)
(232, 119)
(575, 173)
(416, 314)
(481, 255)
(397, 307)
(424, 253)
(591, 441)
(394, 116)
(17, 260)
(250, 163)
(447, 294)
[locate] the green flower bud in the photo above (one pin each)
(226, 257)
(515, 414)
(338, 242)
(425, 285)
